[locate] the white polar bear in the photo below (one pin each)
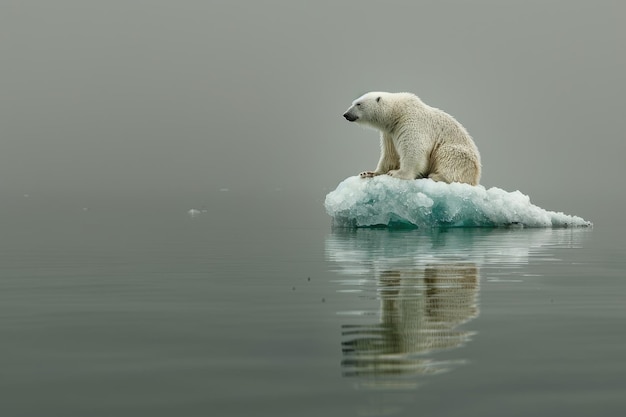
(416, 141)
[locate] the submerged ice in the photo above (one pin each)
(387, 201)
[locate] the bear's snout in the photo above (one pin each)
(350, 117)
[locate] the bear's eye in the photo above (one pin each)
(358, 104)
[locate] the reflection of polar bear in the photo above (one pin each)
(417, 141)
(420, 312)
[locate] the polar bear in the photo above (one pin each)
(416, 141)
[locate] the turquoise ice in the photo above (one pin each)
(387, 201)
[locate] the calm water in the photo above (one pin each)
(115, 311)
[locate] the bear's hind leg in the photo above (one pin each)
(438, 177)
(455, 164)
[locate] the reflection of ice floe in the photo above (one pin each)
(388, 201)
(427, 286)
(363, 251)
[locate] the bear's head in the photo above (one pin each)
(370, 109)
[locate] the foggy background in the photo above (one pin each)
(177, 100)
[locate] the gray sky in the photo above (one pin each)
(189, 97)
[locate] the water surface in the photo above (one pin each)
(109, 311)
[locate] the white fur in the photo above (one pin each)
(417, 141)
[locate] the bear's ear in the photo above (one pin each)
(377, 99)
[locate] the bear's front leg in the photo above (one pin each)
(413, 162)
(403, 175)
(369, 174)
(388, 158)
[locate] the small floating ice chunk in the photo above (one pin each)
(387, 201)
(194, 212)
